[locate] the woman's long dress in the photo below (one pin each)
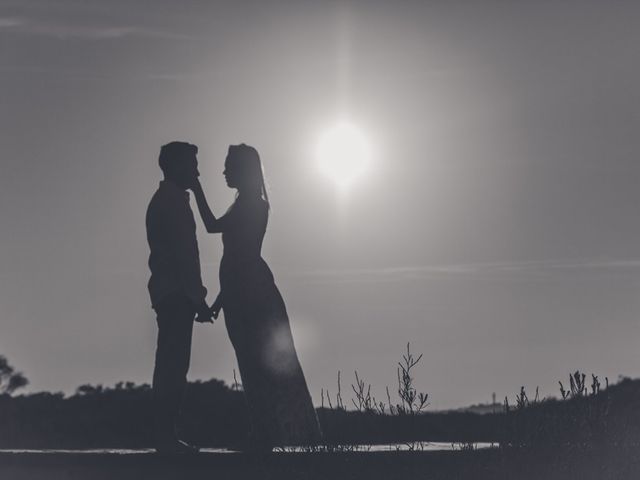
(280, 407)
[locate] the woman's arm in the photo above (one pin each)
(211, 223)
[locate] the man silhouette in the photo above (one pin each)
(175, 287)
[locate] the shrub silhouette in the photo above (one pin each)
(10, 380)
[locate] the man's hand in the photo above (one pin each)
(203, 313)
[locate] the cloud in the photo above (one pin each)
(64, 30)
(408, 273)
(9, 22)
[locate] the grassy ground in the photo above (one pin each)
(479, 464)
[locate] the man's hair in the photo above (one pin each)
(175, 152)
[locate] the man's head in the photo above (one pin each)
(179, 164)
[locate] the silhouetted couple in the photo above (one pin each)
(279, 405)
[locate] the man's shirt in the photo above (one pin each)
(171, 232)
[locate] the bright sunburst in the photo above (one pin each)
(343, 153)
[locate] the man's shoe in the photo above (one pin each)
(176, 447)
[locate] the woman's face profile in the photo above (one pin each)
(230, 172)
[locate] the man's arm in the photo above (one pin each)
(182, 231)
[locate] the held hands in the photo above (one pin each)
(204, 313)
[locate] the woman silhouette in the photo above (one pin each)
(280, 408)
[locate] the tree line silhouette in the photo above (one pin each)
(587, 417)
(214, 415)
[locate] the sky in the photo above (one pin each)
(497, 227)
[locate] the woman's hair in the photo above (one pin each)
(249, 166)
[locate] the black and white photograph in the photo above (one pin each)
(320, 239)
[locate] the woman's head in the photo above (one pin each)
(243, 170)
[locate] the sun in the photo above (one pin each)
(343, 154)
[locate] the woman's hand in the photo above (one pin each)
(208, 218)
(216, 307)
(195, 185)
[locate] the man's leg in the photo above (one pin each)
(173, 352)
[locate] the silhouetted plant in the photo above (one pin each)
(464, 446)
(339, 401)
(237, 386)
(363, 402)
(410, 404)
(10, 380)
(88, 389)
(578, 421)
(411, 401)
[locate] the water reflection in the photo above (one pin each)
(389, 447)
